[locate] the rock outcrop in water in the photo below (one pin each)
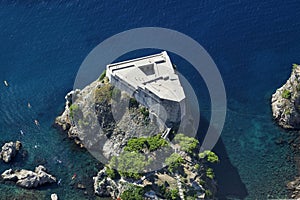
(104, 119)
(27, 178)
(286, 101)
(9, 150)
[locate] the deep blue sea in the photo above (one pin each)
(43, 43)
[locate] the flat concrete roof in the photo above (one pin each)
(154, 73)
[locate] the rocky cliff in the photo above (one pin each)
(286, 101)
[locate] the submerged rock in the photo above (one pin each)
(286, 101)
(27, 178)
(9, 150)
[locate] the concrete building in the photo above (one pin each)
(153, 82)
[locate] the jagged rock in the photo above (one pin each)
(106, 187)
(294, 187)
(103, 125)
(54, 196)
(101, 184)
(9, 150)
(108, 126)
(286, 101)
(29, 179)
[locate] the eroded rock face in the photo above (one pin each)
(286, 101)
(27, 178)
(104, 186)
(102, 122)
(9, 150)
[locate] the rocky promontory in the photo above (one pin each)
(286, 101)
(139, 162)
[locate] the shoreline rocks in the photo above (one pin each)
(9, 150)
(294, 187)
(103, 119)
(285, 101)
(27, 178)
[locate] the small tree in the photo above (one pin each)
(286, 94)
(210, 156)
(74, 108)
(129, 164)
(174, 161)
(187, 144)
(133, 193)
(102, 76)
(210, 173)
(110, 173)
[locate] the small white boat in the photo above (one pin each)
(6, 83)
(36, 122)
(29, 105)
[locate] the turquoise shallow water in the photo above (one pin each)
(43, 44)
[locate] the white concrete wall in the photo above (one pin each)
(168, 111)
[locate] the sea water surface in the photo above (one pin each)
(43, 43)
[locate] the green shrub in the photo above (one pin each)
(110, 173)
(133, 103)
(102, 76)
(133, 193)
(74, 108)
(145, 112)
(174, 194)
(295, 66)
(197, 166)
(150, 143)
(187, 144)
(208, 193)
(287, 111)
(129, 164)
(156, 142)
(210, 173)
(210, 156)
(286, 94)
(136, 144)
(103, 93)
(174, 162)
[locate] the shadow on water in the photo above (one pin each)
(230, 185)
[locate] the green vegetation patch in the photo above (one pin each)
(74, 109)
(130, 164)
(133, 103)
(169, 193)
(210, 173)
(210, 156)
(295, 65)
(111, 173)
(187, 144)
(102, 76)
(103, 93)
(286, 94)
(133, 193)
(174, 162)
(145, 112)
(150, 143)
